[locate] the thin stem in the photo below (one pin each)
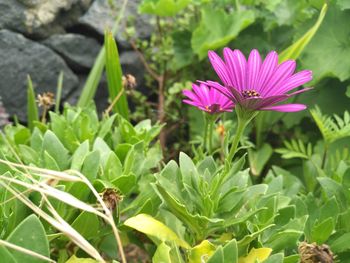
(240, 129)
(237, 5)
(210, 126)
(43, 116)
(324, 157)
(205, 136)
(115, 100)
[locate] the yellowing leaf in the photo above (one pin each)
(205, 249)
(74, 259)
(154, 228)
(259, 254)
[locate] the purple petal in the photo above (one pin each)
(299, 91)
(202, 92)
(253, 68)
(191, 95)
(286, 107)
(223, 90)
(295, 81)
(283, 71)
(193, 103)
(240, 64)
(231, 68)
(219, 67)
(267, 69)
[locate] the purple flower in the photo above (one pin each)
(207, 99)
(257, 84)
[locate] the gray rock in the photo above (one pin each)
(102, 16)
(77, 50)
(40, 18)
(18, 58)
(130, 63)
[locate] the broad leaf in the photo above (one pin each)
(217, 29)
(29, 234)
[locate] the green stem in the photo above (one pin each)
(205, 136)
(210, 126)
(240, 129)
(324, 157)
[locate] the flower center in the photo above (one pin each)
(213, 108)
(250, 94)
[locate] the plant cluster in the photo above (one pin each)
(253, 187)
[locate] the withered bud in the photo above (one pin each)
(111, 197)
(220, 130)
(46, 99)
(313, 253)
(129, 81)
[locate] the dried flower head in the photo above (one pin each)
(46, 99)
(129, 81)
(313, 253)
(111, 197)
(254, 84)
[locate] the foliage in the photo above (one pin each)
(104, 185)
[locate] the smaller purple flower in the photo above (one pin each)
(207, 98)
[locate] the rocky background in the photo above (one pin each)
(43, 37)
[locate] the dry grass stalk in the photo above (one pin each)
(25, 251)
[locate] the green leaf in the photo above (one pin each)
(6, 256)
(114, 77)
(154, 228)
(276, 258)
(79, 155)
(321, 232)
(59, 92)
(125, 183)
(183, 53)
(87, 224)
(32, 108)
(162, 254)
(29, 234)
(217, 29)
(326, 52)
(343, 4)
(218, 256)
(341, 244)
(231, 251)
(53, 146)
(294, 51)
(163, 7)
(95, 74)
(258, 158)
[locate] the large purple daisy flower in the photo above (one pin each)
(256, 84)
(207, 99)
